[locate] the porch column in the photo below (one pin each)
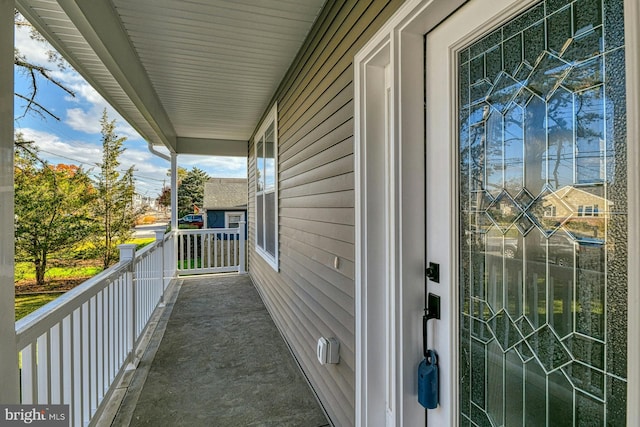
(174, 191)
(8, 350)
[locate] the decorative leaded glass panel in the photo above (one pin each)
(543, 285)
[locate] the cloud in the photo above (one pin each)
(35, 51)
(216, 166)
(58, 151)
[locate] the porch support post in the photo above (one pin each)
(174, 191)
(9, 392)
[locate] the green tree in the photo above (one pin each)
(114, 205)
(191, 191)
(52, 207)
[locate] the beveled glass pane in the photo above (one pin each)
(477, 153)
(505, 331)
(560, 400)
(547, 74)
(559, 30)
(495, 384)
(465, 369)
(535, 251)
(561, 250)
(586, 350)
(514, 150)
(513, 54)
(503, 92)
(524, 20)
(560, 150)
(495, 162)
(535, 144)
(534, 42)
(514, 387)
(513, 276)
(590, 288)
(478, 113)
(588, 411)
(535, 396)
(503, 211)
(463, 81)
(486, 43)
(590, 136)
(584, 46)
(554, 5)
(494, 63)
(587, 379)
(476, 69)
(464, 56)
(478, 357)
(495, 281)
(479, 90)
(587, 15)
(585, 75)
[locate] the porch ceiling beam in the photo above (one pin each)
(100, 25)
(212, 147)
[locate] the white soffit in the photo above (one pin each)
(198, 70)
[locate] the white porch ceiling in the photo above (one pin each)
(192, 75)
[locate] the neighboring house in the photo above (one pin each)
(399, 135)
(225, 202)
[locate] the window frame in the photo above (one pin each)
(228, 214)
(271, 259)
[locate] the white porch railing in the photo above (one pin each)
(75, 349)
(211, 250)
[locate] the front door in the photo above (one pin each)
(527, 203)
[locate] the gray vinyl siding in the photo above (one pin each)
(309, 298)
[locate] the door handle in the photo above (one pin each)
(431, 311)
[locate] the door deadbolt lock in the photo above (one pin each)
(433, 272)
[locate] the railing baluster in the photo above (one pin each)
(29, 375)
(55, 361)
(77, 367)
(67, 359)
(42, 366)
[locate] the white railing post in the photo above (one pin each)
(241, 241)
(9, 392)
(160, 244)
(128, 254)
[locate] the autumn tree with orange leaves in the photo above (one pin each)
(52, 207)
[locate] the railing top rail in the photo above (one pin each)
(208, 230)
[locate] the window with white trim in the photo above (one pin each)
(232, 219)
(266, 146)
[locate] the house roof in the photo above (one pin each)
(225, 194)
(193, 76)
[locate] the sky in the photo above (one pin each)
(76, 138)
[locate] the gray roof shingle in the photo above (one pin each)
(225, 193)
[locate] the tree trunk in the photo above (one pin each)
(41, 268)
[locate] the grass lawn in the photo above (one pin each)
(25, 304)
(61, 275)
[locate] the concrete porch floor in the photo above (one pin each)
(217, 359)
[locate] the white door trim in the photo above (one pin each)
(400, 44)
